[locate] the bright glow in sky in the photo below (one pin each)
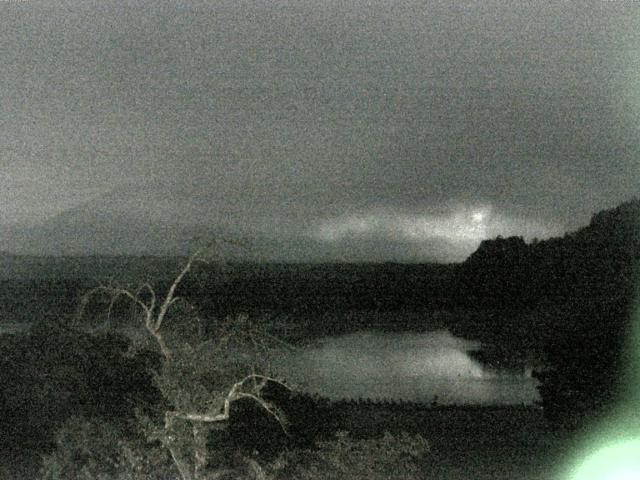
(478, 217)
(461, 224)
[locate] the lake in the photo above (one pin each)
(403, 366)
(417, 367)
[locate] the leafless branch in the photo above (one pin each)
(155, 308)
(169, 298)
(150, 289)
(234, 394)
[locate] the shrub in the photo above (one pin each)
(92, 449)
(344, 458)
(54, 372)
(586, 362)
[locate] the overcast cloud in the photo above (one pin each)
(432, 123)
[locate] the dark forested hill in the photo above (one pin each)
(595, 261)
(582, 285)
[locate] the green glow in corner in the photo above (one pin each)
(615, 462)
(613, 450)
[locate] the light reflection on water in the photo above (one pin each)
(403, 366)
(396, 366)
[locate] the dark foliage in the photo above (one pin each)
(585, 283)
(586, 363)
(311, 419)
(597, 261)
(318, 288)
(52, 372)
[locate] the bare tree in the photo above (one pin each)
(202, 415)
(145, 297)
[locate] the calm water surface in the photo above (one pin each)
(408, 366)
(397, 366)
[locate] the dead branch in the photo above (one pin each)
(153, 318)
(155, 310)
(235, 393)
(193, 472)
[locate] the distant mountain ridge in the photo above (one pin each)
(164, 219)
(142, 220)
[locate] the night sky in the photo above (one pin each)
(324, 130)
